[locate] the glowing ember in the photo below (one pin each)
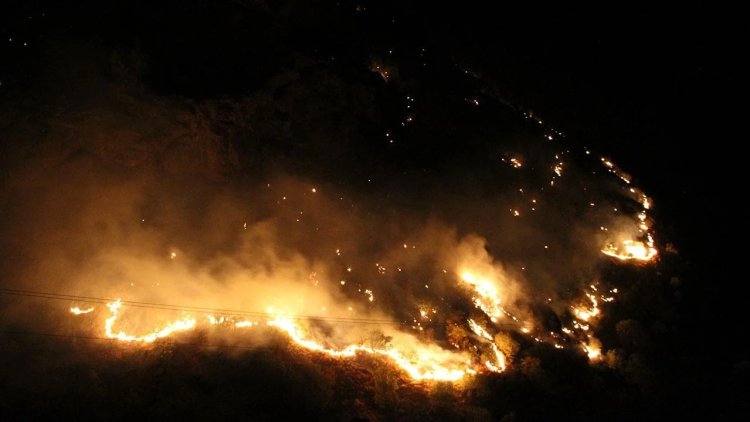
(593, 350)
(370, 296)
(558, 169)
(646, 202)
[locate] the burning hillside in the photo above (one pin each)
(422, 264)
(347, 211)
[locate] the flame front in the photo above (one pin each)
(585, 317)
(631, 250)
(75, 310)
(484, 280)
(488, 295)
(499, 364)
(422, 362)
(114, 308)
(428, 363)
(642, 249)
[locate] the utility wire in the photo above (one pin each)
(163, 306)
(151, 305)
(95, 338)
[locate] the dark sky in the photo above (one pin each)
(640, 81)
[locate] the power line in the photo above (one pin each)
(115, 341)
(163, 306)
(206, 310)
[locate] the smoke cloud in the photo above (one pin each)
(293, 200)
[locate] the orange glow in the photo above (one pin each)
(593, 351)
(488, 296)
(586, 314)
(114, 308)
(75, 310)
(427, 363)
(422, 362)
(631, 250)
(499, 364)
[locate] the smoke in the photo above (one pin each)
(267, 204)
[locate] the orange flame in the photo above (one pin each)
(75, 310)
(499, 364)
(488, 296)
(424, 362)
(114, 307)
(631, 250)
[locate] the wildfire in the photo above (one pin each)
(631, 250)
(423, 362)
(478, 330)
(558, 169)
(488, 296)
(612, 168)
(75, 310)
(419, 360)
(428, 363)
(499, 358)
(585, 314)
(593, 350)
(499, 364)
(114, 308)
(637, 250)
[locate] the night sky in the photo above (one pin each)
(129, 131)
